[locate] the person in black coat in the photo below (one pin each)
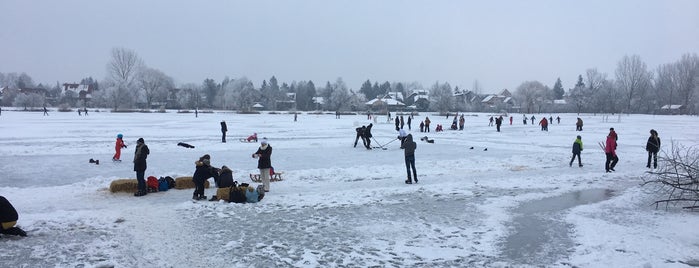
(409, 151)
(360, 134)
(224, 129)
(139, 165)
(410, 120)
(202, 172)
(367, 136)
(653, 147)
(8, 219)
(264, 162)
(225, 177)
(397, 123)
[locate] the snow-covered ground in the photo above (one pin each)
(518, 203)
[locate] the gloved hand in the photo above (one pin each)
(123, 146)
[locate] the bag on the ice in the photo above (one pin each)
(170, 182)
(237, 194)
(163, 185)
(252, 195)
(152, 184)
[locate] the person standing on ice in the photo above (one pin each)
(202, 172)
(410, 120)
(264, 162)
(139, 165)
(409, 151)
(224, 129)
(397, 123)
(577, 148)
(427, 124)
(652, 147)
(117, 147)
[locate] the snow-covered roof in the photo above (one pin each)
(318, 100)
(388, 101)
(488, 98)
(507, 99)
(671, 107)
(257, 105)
(561, 101)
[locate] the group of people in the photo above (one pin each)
(203, 169)
(610, 146)
(364, 132)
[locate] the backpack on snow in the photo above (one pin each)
(163, 185)
(237, 193)
(152, 184)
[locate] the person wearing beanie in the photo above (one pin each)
(203, 171)
(139, 165)
(117, 147)
(652, 147)
(264, 162)
(577, 148)
(409, 153)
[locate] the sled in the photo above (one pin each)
(246, 140)
(277, 176)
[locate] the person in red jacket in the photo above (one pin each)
(117, 147)
(610, 152)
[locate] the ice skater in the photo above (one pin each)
(577, 148)
(117, 148)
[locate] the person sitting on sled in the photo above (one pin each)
(117, 147)
(8, 219)
(252, 138)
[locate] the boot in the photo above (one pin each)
(140, 193)
(213, 198)
(408, 181)
(195, 196)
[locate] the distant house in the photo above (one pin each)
(388, 102)
(500, 101)
(318, 101)
(673, 109)
(77, 91)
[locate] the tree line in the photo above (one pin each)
(131, 84)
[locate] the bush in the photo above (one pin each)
(676, 181)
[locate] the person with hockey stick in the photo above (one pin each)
(360, 134)
(367, 136)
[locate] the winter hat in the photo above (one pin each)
(263, 142)
(579, 138)
(120, 136)
(206, 156)
(140, 140)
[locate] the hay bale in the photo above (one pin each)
(187, 183)
(223, 193)
(124, 185)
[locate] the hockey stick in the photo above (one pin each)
(377, 142)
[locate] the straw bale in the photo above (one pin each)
(187, 183)
(124, 185)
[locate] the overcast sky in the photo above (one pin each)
(499, 43)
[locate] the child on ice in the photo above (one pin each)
(117, 147)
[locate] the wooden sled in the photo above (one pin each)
(277, 176)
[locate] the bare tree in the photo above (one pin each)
(687, 78)
(121, 72)
(29, 100)
(531, 93)
(665, 83)
(633, 79)
(677, 180)
(154, 83)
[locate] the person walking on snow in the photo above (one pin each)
(610, 152)
(117, 147)
(410, 120)
(224, 129)
(264, 162)
(46, 111)
(652, 147)
(139, 165)
(409, 147)
(510, 120)
(397, 123)
(402, 122)
(577, 148)
(544, 124)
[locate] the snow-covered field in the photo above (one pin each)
(516, 204)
